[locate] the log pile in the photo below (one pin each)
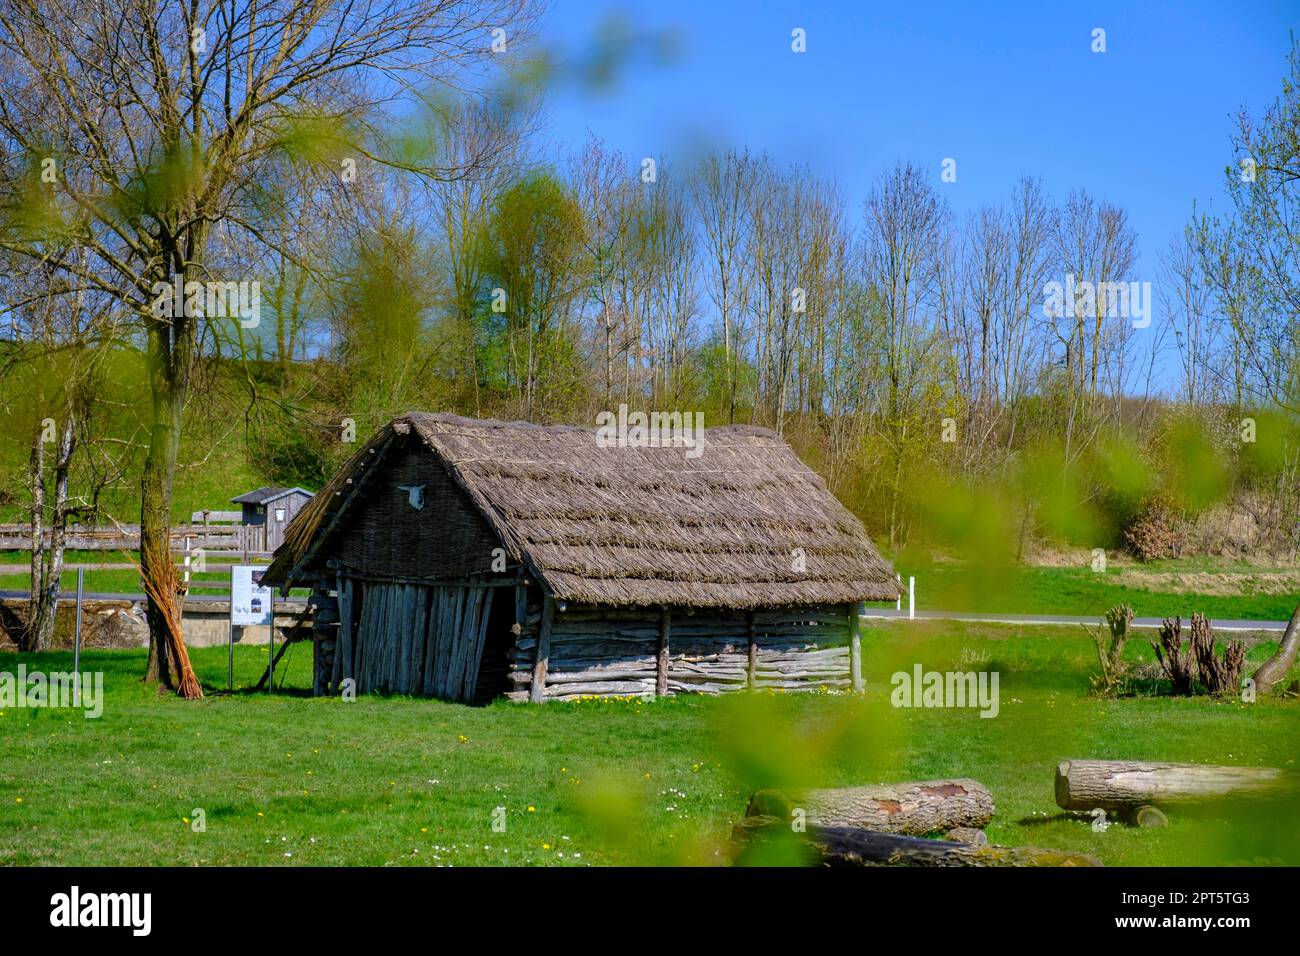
(601, 651)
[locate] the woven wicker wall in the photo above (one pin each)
(384, 535)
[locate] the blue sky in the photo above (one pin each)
(1005, 89)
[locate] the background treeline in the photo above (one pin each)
(903, 349)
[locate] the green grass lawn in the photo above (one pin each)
(290, 780)
(1161, 589)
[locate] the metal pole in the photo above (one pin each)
(76, 641)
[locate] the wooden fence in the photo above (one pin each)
(212, 538)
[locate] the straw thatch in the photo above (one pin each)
(745, 524)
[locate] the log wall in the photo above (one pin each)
(597, 651)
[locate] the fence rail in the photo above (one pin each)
(230, 538)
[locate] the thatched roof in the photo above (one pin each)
(633, 526)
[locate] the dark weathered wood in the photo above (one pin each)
(661, 663)
(1124, 785)
(543, 650)
(854, 846)
(929, 806)
(752, 629)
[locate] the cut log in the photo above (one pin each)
(930, 806)
(1125, 785)
(853, 846)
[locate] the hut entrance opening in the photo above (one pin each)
(494, 671)
(418, 639)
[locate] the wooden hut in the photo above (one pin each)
(267, 512)
(466, 559)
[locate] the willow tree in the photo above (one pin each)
(146, 129)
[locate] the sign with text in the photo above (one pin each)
(250, 603)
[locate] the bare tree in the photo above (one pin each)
(721, 192)
(160, 118)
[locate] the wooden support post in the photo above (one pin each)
(661, 667)
(751, 673)
(521, 609)
(855, 647)
(543, 650)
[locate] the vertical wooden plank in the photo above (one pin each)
(430, 638)
(419, 632)
(543, 650)
(480, 642)
(661, 666)
(752, 672)
(362, 629)
(473, 627)
(855, 647)
(460, 613)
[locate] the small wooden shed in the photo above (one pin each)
(467, 559)
(268, 512)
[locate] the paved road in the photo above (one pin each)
(1225, 624)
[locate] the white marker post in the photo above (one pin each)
(911, 597)
(898, 605)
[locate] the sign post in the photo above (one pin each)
(250, 605)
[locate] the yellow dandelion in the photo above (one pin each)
(532, 809)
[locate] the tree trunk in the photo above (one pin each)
(853, 846)
(169, 358)
(1272, 671)
(30, 640)
(932, 806)
(1125, 785)
(47, 606)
